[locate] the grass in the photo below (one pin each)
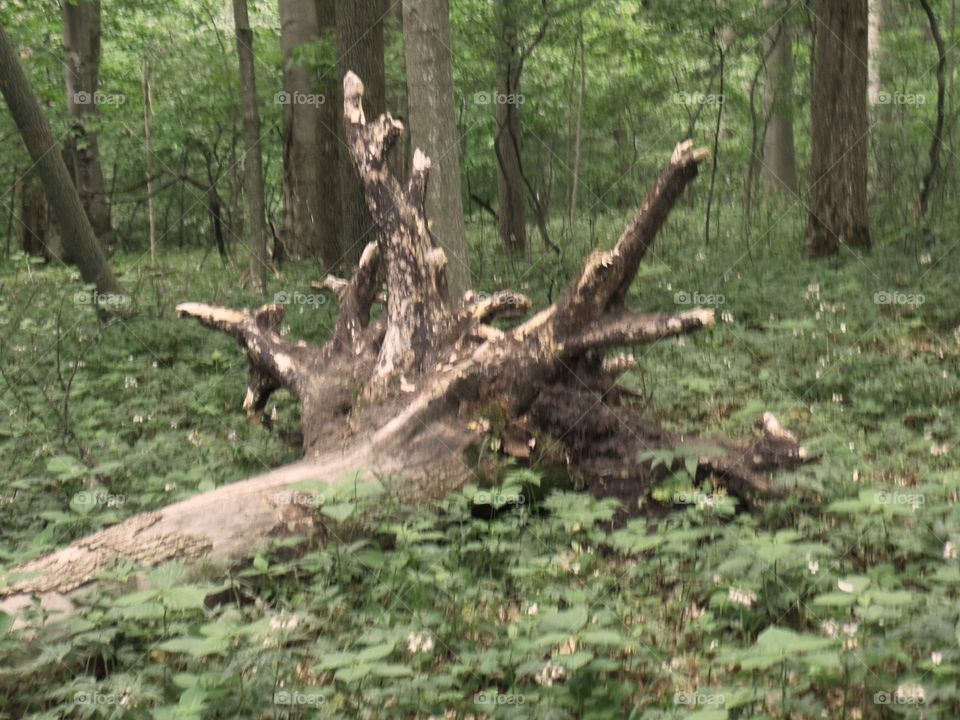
(838, 602)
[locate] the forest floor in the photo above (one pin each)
(838, 601)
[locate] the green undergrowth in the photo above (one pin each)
(839, 601)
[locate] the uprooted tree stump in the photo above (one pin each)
(404, 394)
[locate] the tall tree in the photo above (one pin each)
(252, 158)
(360, 47)
(311, 219)
(79, 240)
(81, 44)
(839, 129)
(433, 128)
(511, 223)
(779, 157)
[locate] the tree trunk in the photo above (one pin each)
(252, 158)
(311, 217)
(512, 221)
(839, 129)
(360, 48)
(81, 41)
(433, 128)
(578, 130)
(413, 393)
(148, 142)
(80, 242)
(874, 49)
(779, 158)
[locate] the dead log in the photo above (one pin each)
(405, 395)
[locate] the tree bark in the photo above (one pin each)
(433, 128)
(81, 44)
(578, 128)
(148, 142)
(937, 141)
(80, 242)
(839, 128)
(409, 394)
(512, 220)
(311, 224)
(779, 157)
(360, 48)
(252, 157)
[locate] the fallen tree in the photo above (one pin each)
(407, 392)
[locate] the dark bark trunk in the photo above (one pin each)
(838, 169)
(433, 128)
(937, 141)
(512, 222)
(360, 48)
(80, 242)
(81, 44)
(307, 228)
(252, 158)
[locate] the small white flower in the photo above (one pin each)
(169, 487)
(925, 259)
(129, 382)
(533, 609)
(949, 550)
(813, 566)
(284, 622)
(726, 317)
(837, 398)
(830, 627)
(850, 629)
(741, 597)
(419, 642)
(550, 673)
(936, 657)
(843, 327)
(939, 449)
(138, 419)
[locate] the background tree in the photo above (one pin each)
(433, 128)
(252, 158)
(310, 229)
(360, 48)
(839, 128)
(779, 156)
(79, 239)
(81, 45)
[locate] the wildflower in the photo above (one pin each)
(813, 566)
(939, 449)
(419, 642)
(741, 597)
(936, 657)
(949, 550)
(129, 382)
(284, 622)
(533, 609)
(550, 673)
(830, 627)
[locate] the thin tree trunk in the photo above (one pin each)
(148, 141)
(78, 236)
(360, 47)
(81, 41)
(433, 129)
(937, 141)
(779, 158)
(512, 224)
(839, 128)
(252, 160)
(578, 130)
(874, 49)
